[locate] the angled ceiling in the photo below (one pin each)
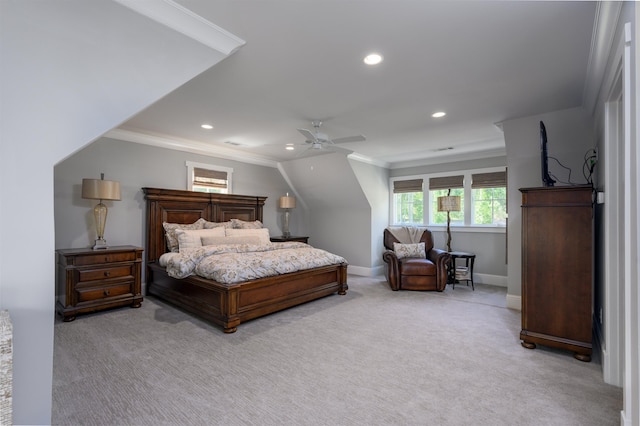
(481, 62)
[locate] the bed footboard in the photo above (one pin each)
(230, 305)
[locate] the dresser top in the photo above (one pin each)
(88, 250)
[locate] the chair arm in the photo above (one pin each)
(441, 259)
(393, 269)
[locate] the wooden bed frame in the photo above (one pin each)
(227, 305)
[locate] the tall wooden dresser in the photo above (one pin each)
(557, 268)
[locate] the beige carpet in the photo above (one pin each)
(371, 357)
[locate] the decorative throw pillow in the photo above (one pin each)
(409, 250)
(262, 233)
(211, 225)
(170, 230)
(217, 241)
(191, 238)
(242, 224)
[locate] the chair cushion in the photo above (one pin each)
(413, 266)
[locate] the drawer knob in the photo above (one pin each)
(107, 273)
(106, 292)
(106, 258)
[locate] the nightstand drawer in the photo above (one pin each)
(96, 293)
(105, 273)
(98, 258)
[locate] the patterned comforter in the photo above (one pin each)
(230, 264)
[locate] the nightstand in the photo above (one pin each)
(92, 280)
(283, 239)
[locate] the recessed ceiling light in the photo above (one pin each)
(373, 59)
(207, 126)
(290, 147)
(438, 114)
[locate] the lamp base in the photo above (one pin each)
(285, 228)
(100, 244)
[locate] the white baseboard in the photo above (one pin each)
(365, 272)
(497, 280)
(623, 419)
(514, 302)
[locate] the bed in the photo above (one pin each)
(227, 305)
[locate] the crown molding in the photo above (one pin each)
(184, 21)
(186, 145)
(476, 155)
(602, 39)
(368, 160)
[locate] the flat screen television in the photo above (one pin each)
(544, 159)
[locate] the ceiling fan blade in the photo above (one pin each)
(356, 138)
(307, 134)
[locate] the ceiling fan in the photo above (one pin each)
(318, 140)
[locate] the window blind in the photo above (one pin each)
(402, 186)
(489, 180)
(209, 178)
(446, 182)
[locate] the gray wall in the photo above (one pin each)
(570, 135)
(338, 212)
(375, 184)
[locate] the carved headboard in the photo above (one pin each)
(176, 206)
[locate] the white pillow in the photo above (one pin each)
(409, 250)
(192, 238)
(263, 233)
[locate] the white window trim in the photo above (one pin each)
(192, 164)
(467, 227)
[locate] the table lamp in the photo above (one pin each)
(100, 189)
(287, 203)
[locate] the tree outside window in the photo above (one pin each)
(409, 208)
(490, 206)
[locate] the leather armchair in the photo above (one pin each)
(429, 273)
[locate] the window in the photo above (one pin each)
(208, 178)
(408, 202)
(482, 192)
(489, 195)
(441, 187)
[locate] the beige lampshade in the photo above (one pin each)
(98, 189)
(449, 203)
(287, 202)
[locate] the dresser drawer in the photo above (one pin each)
(112, 272)
(96, 293)
(98, 258)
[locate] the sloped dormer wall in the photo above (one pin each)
(70, 71)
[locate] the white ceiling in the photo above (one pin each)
(481, 62)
